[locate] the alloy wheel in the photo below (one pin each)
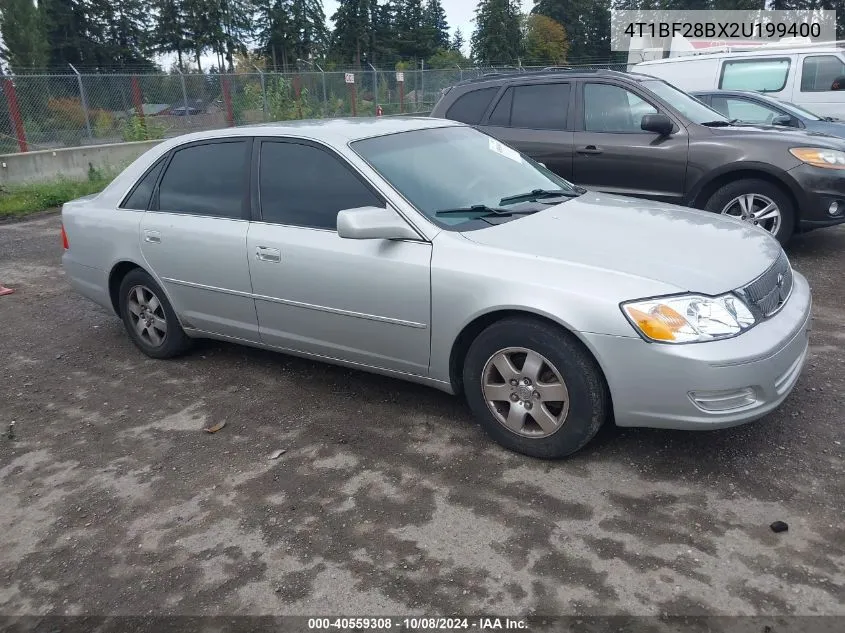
(525, 392)
(147, 315)
(755, 209)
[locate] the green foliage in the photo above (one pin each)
(586, 23)
(105, 124)
(17, 200)
(139, 129)
(545, 41)
(446, 58)
(282, 104)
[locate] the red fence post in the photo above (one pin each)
(15, 113)
(137, 98)
(227, 99)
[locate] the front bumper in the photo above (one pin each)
(820, 188)
(652, 384)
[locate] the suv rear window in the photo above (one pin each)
(534, 107)
(469, 108)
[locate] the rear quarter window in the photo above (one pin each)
(470, 107)
(139, 198)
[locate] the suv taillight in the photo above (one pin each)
(65, 244)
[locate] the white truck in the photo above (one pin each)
(804, 75)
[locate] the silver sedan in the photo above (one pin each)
(425, 250)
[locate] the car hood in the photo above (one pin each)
(692, 250)
(789, 135)
(834, 128)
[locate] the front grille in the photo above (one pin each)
(769, 291)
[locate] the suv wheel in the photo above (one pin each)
(149, 318)
(757, 202)
(534, 389)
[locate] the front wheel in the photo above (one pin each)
(757, 202)
(534, 388)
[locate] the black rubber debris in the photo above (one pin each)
(779, 526)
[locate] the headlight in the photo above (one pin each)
(818, 157)
(689, 318)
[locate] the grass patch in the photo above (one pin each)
(20, 200)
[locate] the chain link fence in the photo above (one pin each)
(40, 112)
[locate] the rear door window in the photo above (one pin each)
(819, 71)
(764, 75)
(470, 107)
(540, 107)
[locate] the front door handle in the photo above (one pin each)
(268, 254)
(588, 149)
(153, 237)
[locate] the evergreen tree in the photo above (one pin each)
(412, 38)
(497, 37)
(67, 23)
(273, 33)
(435, 25)
(308, 28)
(24, 41)
(458, 41)
(353, 32)
(384, 34)
(170, 31)
(120, 33)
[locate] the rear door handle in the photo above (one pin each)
(153, 237)
(588, 149)
(268, 254)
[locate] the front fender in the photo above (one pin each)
(741, 169)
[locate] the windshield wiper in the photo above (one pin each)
(719, 123)
(538, 194)
(483, 211)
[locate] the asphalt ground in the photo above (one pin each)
(389, 499)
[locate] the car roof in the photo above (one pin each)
(335, 132)
(748, 93)
(757, 51)
(571, 73)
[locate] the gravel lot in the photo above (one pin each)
(389, 499)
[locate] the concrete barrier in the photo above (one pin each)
(68, 162)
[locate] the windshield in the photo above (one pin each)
(453, 168)
(689, 106)
(798, 111)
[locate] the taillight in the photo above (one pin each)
(65, 244)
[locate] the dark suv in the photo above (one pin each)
(639, 136)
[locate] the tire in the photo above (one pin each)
(142, 300)
(726, 199)
(581, 407)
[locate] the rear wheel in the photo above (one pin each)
(534, 388)
(149, 318)
(757, 202)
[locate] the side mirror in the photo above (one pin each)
(782, 119)
(373, 223)
(657, 123)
